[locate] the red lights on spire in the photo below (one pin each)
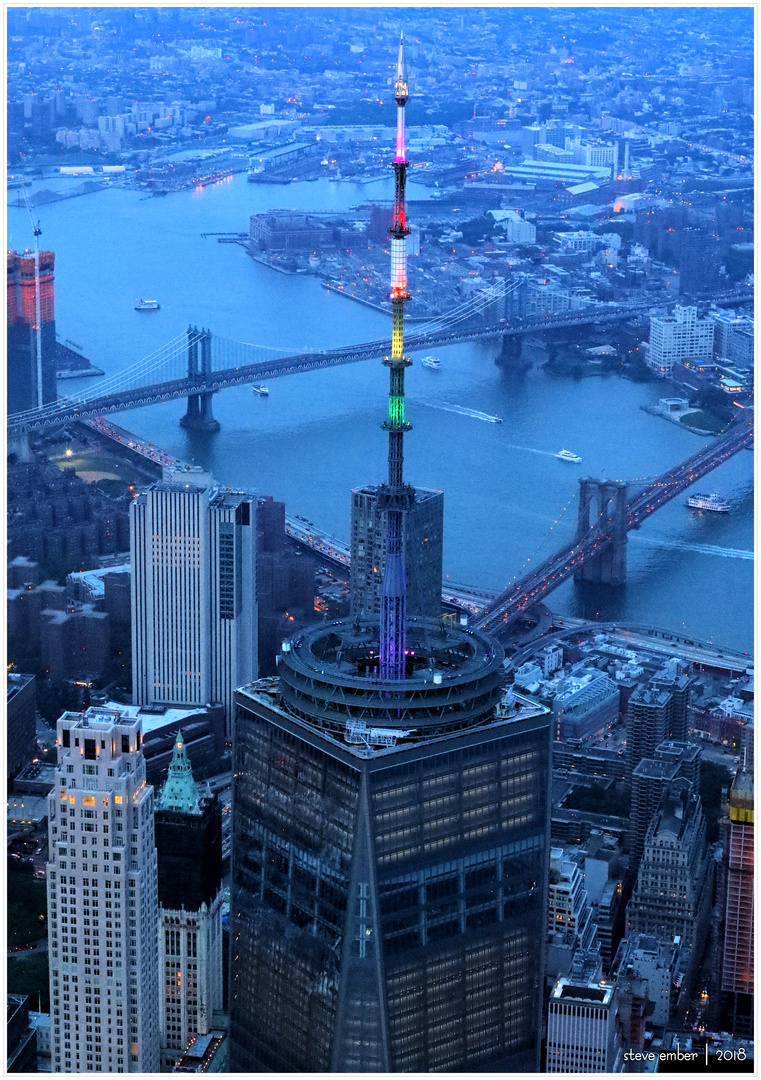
(394, 495)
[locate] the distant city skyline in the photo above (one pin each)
(405, 792)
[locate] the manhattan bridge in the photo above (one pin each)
(196, 364)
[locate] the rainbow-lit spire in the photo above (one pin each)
(394, 497)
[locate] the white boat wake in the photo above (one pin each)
(531, 450)
(460, 410)
(701, 549)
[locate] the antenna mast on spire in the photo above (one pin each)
(395, 497)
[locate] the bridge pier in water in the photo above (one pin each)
(512, 349)
(602, 504)
(199, 416)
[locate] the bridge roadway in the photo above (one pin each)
(538, 583)
(336, 554)
(242, 374)
(654, 639)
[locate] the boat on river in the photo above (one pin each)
(709, 502)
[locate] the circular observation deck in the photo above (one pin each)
(329, 676)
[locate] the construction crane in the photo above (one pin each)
(37, 232)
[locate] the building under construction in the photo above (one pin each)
(31, 331)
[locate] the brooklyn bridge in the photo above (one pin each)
(196, 365)
(607, 512)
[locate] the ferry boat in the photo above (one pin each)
(709, 502)
(432, 363)
(567, 455)
(147, 305)
(262, 391)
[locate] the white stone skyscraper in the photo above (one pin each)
(582, 1034)
(672, 893)
(194, 619)
(102, 899)
(679, 337)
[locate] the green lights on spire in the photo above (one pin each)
(396, 410)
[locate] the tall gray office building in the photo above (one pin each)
(189, 849)
(649, 780)
(423, 542)
(194, 618)
(389, 861)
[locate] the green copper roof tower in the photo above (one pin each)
(180, 791)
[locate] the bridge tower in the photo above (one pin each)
(17, 443)
(602, 505)
(199, 416)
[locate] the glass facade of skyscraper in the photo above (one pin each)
(387, 901)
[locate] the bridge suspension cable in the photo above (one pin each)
(117, 382)
(272, 348)
(539, 582)
(474, 306)
(469, 307)
(174, 349)
(114, 382)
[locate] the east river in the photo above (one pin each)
(507, 498)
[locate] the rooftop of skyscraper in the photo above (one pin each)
(741, 798)
(564, 989)
(676, 814)
(329, 679)
(655, 770)
(190, 478)
(100, 716)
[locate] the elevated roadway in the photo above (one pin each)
(653, 639)
(539, 582)
(228, 366)
(225, 373)
(337, 555)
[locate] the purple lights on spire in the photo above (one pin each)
(394, 496)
